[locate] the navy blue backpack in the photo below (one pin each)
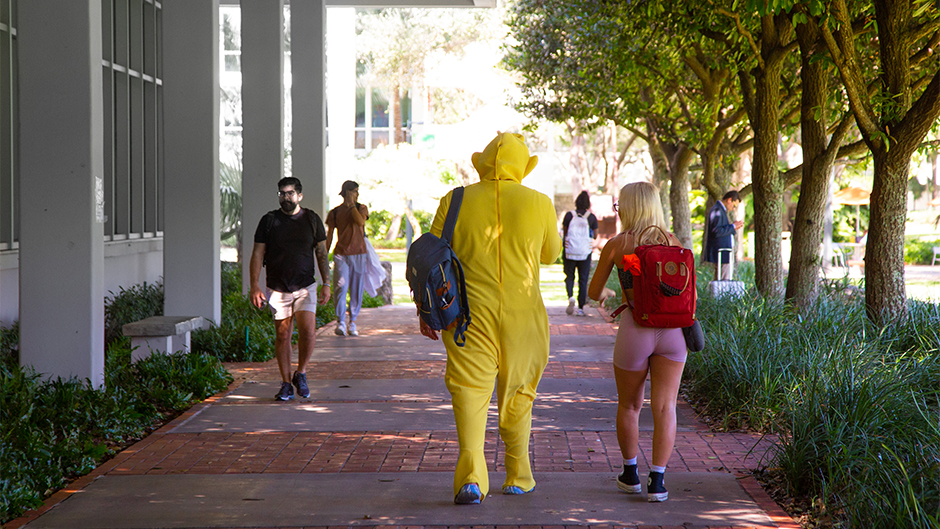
(436, 278)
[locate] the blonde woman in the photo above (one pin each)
(639, 351)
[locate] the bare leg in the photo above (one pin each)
(665, 376)
(307, 328)
(630, 386)
(282, 348)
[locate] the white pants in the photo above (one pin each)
(349, 277)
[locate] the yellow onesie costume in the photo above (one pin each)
(504, 230)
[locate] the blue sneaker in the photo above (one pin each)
(286, 392)
(469, 495)
(300, 382)
(514, 490)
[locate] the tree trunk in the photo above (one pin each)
(767, 184)
(803, 278)
(679, 193)
(415, 225)
(722, 171)
(717, 168)
(885, 299)
(396, 106)
(661, 174)
(393, 228)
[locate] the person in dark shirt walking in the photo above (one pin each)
(290, 243)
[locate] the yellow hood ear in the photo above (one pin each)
(506, 157)
(533, 161)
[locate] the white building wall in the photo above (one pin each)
(126, 263)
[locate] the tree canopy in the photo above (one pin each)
(684, 76)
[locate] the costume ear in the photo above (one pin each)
(533, 161)
(474, 157)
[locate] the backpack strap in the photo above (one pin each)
(456, 198)
(447, 234)
(463, 322)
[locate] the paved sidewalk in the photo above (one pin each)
(375, 445)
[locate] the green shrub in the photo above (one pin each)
(246, 333)
(130, 305)
(379, 222)
(54, 431)
(857, 407)
(231, 278)
(10, 343)
(919, 251)
(326, 313)
(370, 302)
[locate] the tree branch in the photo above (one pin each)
(927, 51)
(922, 115)
(746, 34)
(842, 49)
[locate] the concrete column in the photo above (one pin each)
(341, 98)
(308, 101)
(61, 193)
(191, 158)
(262, 116)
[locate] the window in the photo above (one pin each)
(9, 173)
(132, 94)
(375, 118)
(231, 41)
(133, 125)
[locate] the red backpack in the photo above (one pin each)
(663, 284)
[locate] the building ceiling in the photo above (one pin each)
(391, 3)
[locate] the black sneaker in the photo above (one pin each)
(655, 489)
(286, 392)
(300, 382)
(629, 481)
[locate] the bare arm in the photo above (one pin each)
(324, 265)
(254, 270)
(329, 231)
(358, 215)
(605, 263)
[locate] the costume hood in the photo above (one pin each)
(505, 158)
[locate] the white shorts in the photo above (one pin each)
(285, 304)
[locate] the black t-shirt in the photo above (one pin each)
(289, 242)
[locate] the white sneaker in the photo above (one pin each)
(570, 310)
(340, 329)
(580, 312)
(352, 329)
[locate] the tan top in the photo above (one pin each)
(350, 236)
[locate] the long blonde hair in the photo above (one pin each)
(640, 208)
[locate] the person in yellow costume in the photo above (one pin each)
(503, 231)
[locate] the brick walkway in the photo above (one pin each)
(393, 452)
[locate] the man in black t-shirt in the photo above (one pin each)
(290, 243)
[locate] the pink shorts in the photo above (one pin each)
(635, 345)
(285, 304)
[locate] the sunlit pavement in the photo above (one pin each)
(375, 445)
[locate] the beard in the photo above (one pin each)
(288, 206)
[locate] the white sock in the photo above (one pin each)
(628, 462)
(655, 468)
